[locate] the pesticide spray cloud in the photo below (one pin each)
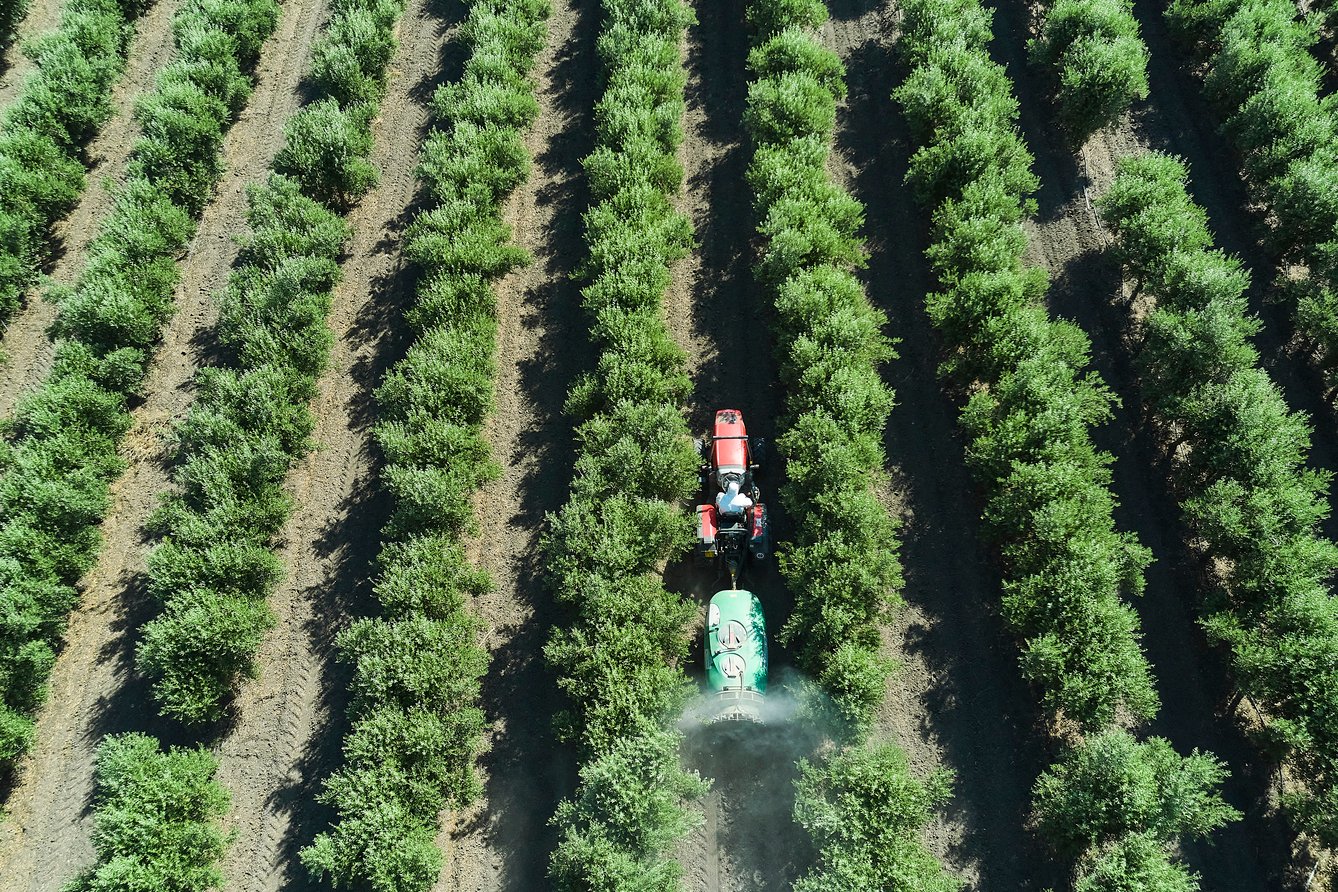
(752, 766)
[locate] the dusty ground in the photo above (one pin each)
(288, 725)
(504, 841)
(958, 701)
(15, 66)
(24, 348)
(93, 689)
(722, 319)
(1087, 287)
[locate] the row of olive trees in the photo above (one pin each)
(861, 806)
(619, 654)
(214, 568)
(1247, 489)
(1099, 60)
(415, 721)
(1049, 502)
(61, 451)
(156, 819)
(842, 566)
(1029, 419)
(1267, 87)
(44, 133)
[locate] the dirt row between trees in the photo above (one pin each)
(723, 320)
(15, 65)
(288, 725)
(93, 687)
(503, 842)
(958, 701)
(26, 351)
(1087, 287)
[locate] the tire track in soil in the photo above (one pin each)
(723, 320)
(1087, 287)
(25, 349)
(15, 65)
(288, 725)
(958, 700)
(502, 843)
(94, 690)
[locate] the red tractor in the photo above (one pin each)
(732, 526)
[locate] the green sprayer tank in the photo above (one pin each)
(736, 655)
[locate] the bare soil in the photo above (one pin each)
(94, 690)
(1087, 287)
(15, 64)
(722, 319)
(958, 702)
(288, 725)
(25, 349)
(502, 843)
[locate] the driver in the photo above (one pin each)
(731, 502)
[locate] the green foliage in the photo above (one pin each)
(11, 13)
(619, 656)
(1099, 57)
(842, 565)
(326, 148)
(1049, 506)
(865, 812)
(1266, 86)
(62, 450)
(1248, 490)
(1117, 807)
(156, 819)
(249, 423)
(1111, 786)
(349, 60)
(1123, 806)
(1134, 863)
(769, 17)
(415, 720)
(57, 111)
(628, 815)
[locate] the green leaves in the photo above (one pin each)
(1099, 57)
(1266, 85)
(619, 657)
(10, 16)
(62, 453)
(213, 569)
(865, 812)
(326, 149)
(56, 113)
(1249, 493)
(1049, 506)
(156, 819)
(1128, 803)
(843, 566)
(626, 818)
(416, 724)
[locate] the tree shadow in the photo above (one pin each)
(1178, 119)
(527, 772)
(1088, 289)
(1192, 678)
(348, 545)
(976, 708)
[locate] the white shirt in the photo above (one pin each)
(731, 502)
